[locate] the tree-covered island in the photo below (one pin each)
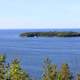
(50, 34)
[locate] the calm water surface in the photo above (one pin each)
(32, 51)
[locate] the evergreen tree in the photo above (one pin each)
(50, 72)
(2, 67)
(78, 77)
(65, 73)
(16, 72)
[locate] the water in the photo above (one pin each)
(32, 51)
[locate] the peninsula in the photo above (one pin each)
(50, 34)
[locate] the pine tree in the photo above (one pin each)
(65, 73)
(78, 76)
(2, 67)
(50, 72)
(16, 72)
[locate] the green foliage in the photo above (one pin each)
(65, 73)
(50, 72)
(2, 58)
(78, 76)
(2, 67)
(14, 71)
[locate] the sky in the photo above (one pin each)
(30, 14)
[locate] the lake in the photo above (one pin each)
(33, 51)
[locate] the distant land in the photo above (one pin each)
(50, 34)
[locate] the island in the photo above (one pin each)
(50, 34)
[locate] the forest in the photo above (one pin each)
(50, 34)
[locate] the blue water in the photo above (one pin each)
(32, 51)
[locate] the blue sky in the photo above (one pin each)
(39, 14)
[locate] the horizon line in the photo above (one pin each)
(33, 28)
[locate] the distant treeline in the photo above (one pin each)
(50, 34)
(14, 71)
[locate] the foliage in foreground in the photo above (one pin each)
(13, 71)
(51, 72)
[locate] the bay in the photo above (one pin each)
(33, 51)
